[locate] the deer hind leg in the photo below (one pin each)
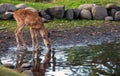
(46, 40)
(18, 34)
(17, 38)
(32, 32)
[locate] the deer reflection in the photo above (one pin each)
(39, 66)
(19, 60)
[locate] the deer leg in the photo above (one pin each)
(32, 36)
(36, 38)
(17, 38)
(18, 34)
(21, 36)
(46, 40)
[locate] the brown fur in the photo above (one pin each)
(25, 17)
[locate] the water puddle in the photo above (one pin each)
(72, 60)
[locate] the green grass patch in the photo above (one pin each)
(70, 24)
(67, 3)
(54, 24)
(58, 24)
(8, 72)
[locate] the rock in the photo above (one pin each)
(56, 12)
(6, 7)
(32, 9)
(117, 16)
(111, 6)
(28, 72)
(45, 20)
(26, 65)
(20, 6)
(8, 65)
(6, 15)
(87, 6)
(85, 14)
(118, 8)
(76, 13)
(99, 12)
(44, 15)
(69, 14)
(113, 11)
(109, 18)
(6, 10)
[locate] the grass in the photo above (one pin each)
(7, 72)
(67, 3)
(58, 24)
(54, 24)
(70, 24)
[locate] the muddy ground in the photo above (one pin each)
(106, 32)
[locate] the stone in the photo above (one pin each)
(117, 16)
(87, 6)
(44, 15)
(7, 7)
(113, 11)
(6, 11)
(69, 14)
(8, 65)
(26, 65)
(6, 15)
(111, 6)
(76, 13)
(109, 18)
(45, 20)
(56, 12)
(99, 13)
(85, 14)
(21, 6)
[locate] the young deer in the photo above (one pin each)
(25, 17)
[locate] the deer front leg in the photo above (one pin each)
(17, 32)
(17, 40)
(22, 40)
(36, 38)
(32, 36)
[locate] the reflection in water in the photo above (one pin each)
(95, 60)
(38, 68)
(19, 60)
(92, 60)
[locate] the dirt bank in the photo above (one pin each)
(106, 32)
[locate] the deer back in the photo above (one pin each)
(27, 17)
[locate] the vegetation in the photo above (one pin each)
(62, 24)
(106, 55)
(67, 3)
(7, 72)
(55, 24)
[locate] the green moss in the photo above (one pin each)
(8, 72)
